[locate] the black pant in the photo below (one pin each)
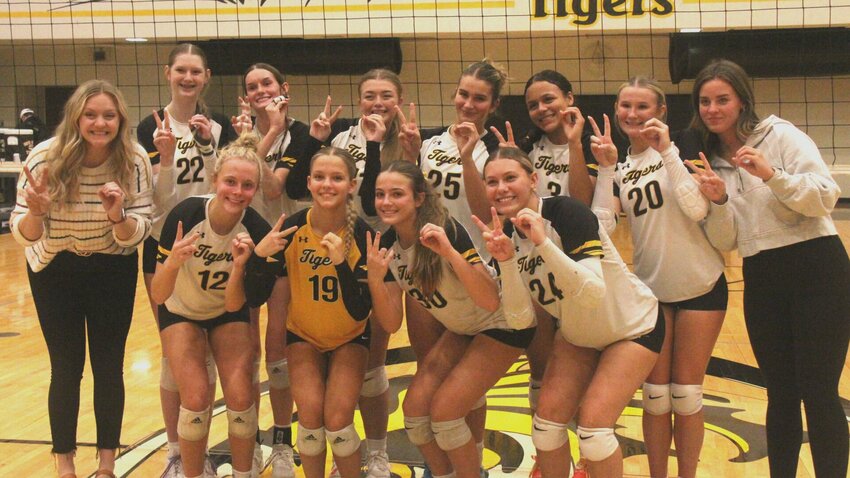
(797, 309)
(75, 296)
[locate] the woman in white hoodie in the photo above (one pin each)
(771, 198)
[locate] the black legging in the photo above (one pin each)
(75, 296)
(797, 309)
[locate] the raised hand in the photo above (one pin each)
(201, 128)
(531, 224)
(466, 135)
(408, 136)
(753, 161)
(373, 127)
(242, 123)
(35, 194)
(112, 199)
(572, 122)
(497, 243)
(277, 110)
(434, 237)
(183, 248)
(505, 143)
(377, 259)
(241, 248)
(335, 247)
(710, 184)
(320, 128)
(164, 140)
(602, 145)
(275, 240)
(657, 134)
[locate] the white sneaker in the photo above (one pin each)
(257, 463)
(281, 462)
(174, 468)
(377, 464)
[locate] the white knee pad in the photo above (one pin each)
(534, 393)
(255, 372)
(212, 371)
(242, 424)
(419, 430)
(278, 374)
(687, 399)
(451, 434)
(375, 382)
(481, 402)
(656, 398)
(548, 435)
(344, 442)
(193, 426)
(166, 378)
(596, 444)
(311, 442)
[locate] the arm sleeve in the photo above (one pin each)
(370, 176)
(685, 188)
(516, 301)
(353, 284)
(603, 199)
(296, 181)
(803, 184)
(144, 133)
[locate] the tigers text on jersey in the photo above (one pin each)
(190, 177)
(450, 304)
(672, 254)
(199, 289)
(280, 157)
(628, 309)
(317, 310)
(441, 164)
(552, 164)
(354, 141)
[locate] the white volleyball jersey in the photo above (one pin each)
(199, 289)
(671, 252)
(353, 141)
(552, 164)
(628, 310)
(441, 164)
(450, 303)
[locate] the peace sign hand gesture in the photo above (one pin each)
(164, 139)
(183, 248)
(377, 258)
(505, 143)
(497, 243)
(240, 249)
(602, 145)
(710, 184)
(242, 123)
(35, 194)
(275, 240)
(373, 127)
(320, 128)
(408, 136)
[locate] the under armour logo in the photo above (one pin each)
(303, 239)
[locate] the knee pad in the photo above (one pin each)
(687, 399)
(311, 442)
(242, 424)
(548, 435)
(656, 398)
(344, 442)
(375, 382)
(166, 378)
(193, 426)
(278, 374)
(451, 434)
(596, 444)
(418, 430)
(255, 372)
(481, 402)
(212, 371)
(534, 393)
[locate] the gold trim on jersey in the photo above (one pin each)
(471, 256)
(590, 248)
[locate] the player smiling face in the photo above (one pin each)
(635, 106)
(236, 184)
(394, 199)
(330, 182)
(510, 186)
(261, 86)
(187, 76)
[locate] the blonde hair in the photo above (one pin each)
(645, 83)
(242, 148)
(351, 167)
(68, 151)
(427, 269)
(391, 150)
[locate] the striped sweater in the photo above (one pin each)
(82, 227)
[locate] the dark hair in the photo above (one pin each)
(549, 76)
(737, 78)
(192, 49)
(427, 268)
(264, 66)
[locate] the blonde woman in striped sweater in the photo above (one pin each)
(83, 207)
